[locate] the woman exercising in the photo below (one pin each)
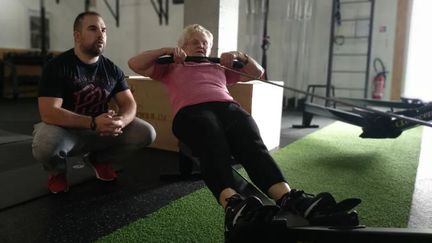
(214, 126)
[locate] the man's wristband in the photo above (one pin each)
(93, 123)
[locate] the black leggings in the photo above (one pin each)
(216, 132)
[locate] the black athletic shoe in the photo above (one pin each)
(321, 209)
(238, 207)
(304, 204)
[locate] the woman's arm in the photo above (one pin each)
(251, 67)
(143, 63)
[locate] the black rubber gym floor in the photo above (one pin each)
(91, 208)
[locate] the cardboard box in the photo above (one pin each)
(153, 106)
(263, 101)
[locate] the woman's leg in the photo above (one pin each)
(201, 130)
(249, 149)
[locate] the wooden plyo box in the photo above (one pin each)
(263, 101)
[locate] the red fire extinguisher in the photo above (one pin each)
(379, 80)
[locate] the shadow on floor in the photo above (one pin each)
(92, 208)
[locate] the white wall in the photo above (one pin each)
(218, 16)
(15, 23)
(382, 42)
(139, 26)
(140, 30)
(418, 84)
(228, 22)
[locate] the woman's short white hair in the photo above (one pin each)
(193, 28)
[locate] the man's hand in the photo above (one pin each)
(109, 124)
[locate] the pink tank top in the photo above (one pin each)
(194, 83)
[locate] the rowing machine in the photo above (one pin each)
(374, 125)
(400, 121)
(291, 228)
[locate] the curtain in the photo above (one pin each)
(293, 20)
(255, 28)
(296, 40)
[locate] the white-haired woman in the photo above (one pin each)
(214, 126)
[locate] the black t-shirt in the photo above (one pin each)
(84, 88)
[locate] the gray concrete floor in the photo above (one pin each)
(421, 208)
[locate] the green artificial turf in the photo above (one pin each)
(379, 171)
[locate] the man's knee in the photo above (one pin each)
(47, 152)
(49, 143)
(140, 133)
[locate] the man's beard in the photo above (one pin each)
(92, 50)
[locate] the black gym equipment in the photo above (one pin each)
(403, 115)
(374, 125)
(169, 59)
(188, 167)
(375, 122)
(412, 112)
(266, 226)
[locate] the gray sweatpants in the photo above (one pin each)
(53, 144)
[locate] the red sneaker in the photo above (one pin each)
(58, 183)
(104, 171)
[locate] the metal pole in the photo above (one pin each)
(330, 56)
(372, 7)
(43, 29)
(118, 13)
(265, 41)
(87, 5)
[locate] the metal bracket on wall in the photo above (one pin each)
(116, 13)
(161, 12)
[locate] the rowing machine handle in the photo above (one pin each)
(170, 59)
